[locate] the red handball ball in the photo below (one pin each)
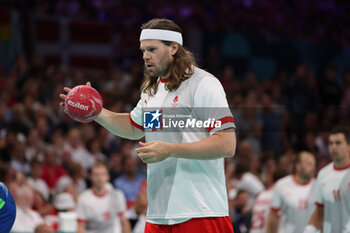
(83, 103)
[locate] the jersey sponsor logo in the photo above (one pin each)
(162, 120)
(78, 105)
(152, 119)
(193, 123)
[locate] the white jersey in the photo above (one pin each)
(26, 220)
(261, 211)
(179, 189)
(100, 212)
(295, 202)
(333, 193)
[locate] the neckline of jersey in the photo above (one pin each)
(298, 183)
(100, 195)
(164, 80)
(341, 168)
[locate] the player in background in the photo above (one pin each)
(100, 206)
(262, 205)
(7, 209)
(293, 198)
(186, 188)
(332, 213)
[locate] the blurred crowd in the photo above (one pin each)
(42, 149)
(45, 157)
(315, 20)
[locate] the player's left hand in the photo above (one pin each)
(152, 152)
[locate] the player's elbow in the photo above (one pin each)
(229, 150)
(229, 144)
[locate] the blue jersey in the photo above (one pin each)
(7, 209)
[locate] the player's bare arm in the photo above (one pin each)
(316, 220)
(117, 123)
(125, 224)
(81, 227)
(272, 222)
(220, 144)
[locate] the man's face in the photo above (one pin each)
(338, 147)
(99, 176)
(307, 165)
(157, 57)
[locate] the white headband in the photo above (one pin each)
(160, 34)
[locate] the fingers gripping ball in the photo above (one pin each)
(83, 103)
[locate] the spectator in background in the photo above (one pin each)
(35, 180)
(26, 218)
(100, 207)
(248, 119)
(329, 89)
(52, 171)
(75, 178)
(115, 165)
(19, 161)
(344, 110)
(41, 205)
(268, 168)
(20, 120)
(239, 212)
(94, 148)
(79, 154)
(8, 142)
(271, 120)
(7, 174)
(130, 181)
(285, 161)
(300, 97)
(66, 216)
(245, 180)
(35, 146)
(42, 126)
(108, 141)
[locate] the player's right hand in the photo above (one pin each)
(67, 89)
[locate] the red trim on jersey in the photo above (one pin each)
(275, 209)
(223, 121)
(81, 220)
(319, 204)
(340, 168)
(100, 195)
(134, 123)
(164, 80)
(298, 183)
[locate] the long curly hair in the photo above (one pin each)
(182, 66)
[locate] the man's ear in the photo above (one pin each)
(173, 48)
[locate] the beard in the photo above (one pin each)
(156, 73)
